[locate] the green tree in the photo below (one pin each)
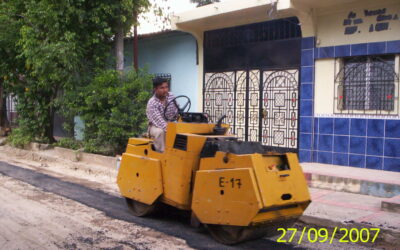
(203, 2)
(60, 44)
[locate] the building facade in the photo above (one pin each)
(320, 78)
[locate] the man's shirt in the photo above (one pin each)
(155, 111)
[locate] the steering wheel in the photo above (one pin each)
(184, 109)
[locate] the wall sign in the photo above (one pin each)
(378, 19)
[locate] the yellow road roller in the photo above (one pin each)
(236, 189)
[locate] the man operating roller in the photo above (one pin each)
(155, 112)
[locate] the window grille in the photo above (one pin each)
(367, 85)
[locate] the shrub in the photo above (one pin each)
(113, 108)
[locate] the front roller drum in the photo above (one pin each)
(230, 235)
(139, 209)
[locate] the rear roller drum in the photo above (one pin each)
(139, 209)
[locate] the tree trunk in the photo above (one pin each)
(3, 109)
(119, 48)
(135, 48)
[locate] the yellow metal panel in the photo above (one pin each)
(278, 215)
(139, 178)
(177, 173)
(228, 197)
(274, 183)
(233, 161)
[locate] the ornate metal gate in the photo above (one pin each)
(260, 105)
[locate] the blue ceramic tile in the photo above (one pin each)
(374, 162)
(305, 156)
(326, 126)
(307, 74)
(392, 147)
(315, 145)
(327, 52)
(341, 144)
(306, 124)
(357, 161)
(342, 51)
(392, 128)
(359, 49)
(325, 157)
(316, 121)
(391, 164)
(341, 126)
(307, 57)
(306, 107)
(357, 145)
(305, 141)
(315, 156)
(393, 47)
(325, 142)
(341, 159)
(358, 127)
(376, 48)
(306, 91)
(316, 55)
(307, 42)
(375, 146)
(375, 128)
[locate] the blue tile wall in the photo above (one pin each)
(375, 146)
(393, 47)
(360, 49)
(308, 43)
(392, 129)
(326, 126)
(357, 145)
(341, 126)
(326, 52)
(392, 148)
(375, 128)
(307, 57)
(305, 141)
(325, 142)
(357, 160)
(374, 162)
(341, 159)
(306, 107)
(325, 157)
(342, 51)
(365, 143)
(341, 144)
(358, 127)
(306, 91)
(306, 124)
(356, 142)
(391, 164)
(376, 48)
(307, 74)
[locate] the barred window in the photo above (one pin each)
(367, 84)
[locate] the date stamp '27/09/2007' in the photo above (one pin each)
(321, 235)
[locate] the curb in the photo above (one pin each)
(350, 185)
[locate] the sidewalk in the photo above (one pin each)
(347, 197)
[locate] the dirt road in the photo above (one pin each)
(62, 205)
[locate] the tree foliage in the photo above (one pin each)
(50, 47)
(203, 2)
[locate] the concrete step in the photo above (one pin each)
(353, 180)
(391, 205)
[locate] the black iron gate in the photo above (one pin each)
(251, 75)
(260, 105)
